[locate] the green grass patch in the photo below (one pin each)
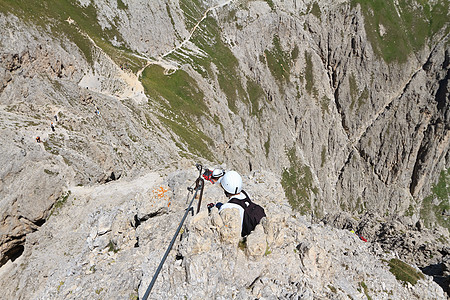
(121, 5)
(196, 141)
(353, 89)
(192, 11)
(209, 40)
(278, 61)
(112, 247)
(207, 37)
(53, 144)
(315, 10)
(366, 290)
(52, 15)
(295, 52)
(324, 105)
(323, 156)
(255, 95)
(61, 283)
(298, 185)
(182, 104)
(309, 74)
(404, 272)
(267, 146)
(407, 25)
(434, 205)
(60, 202)
(177, 92)
(271, 5)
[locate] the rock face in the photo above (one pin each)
(119, 231)
(350, 114)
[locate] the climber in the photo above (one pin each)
(250, 213)
(53, 127)
(38, 139)
(214, 175)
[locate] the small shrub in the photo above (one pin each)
(268, 251)
(60, 202)
(112, 247)
(242, 244)
(60, 285)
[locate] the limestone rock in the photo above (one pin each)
(257, 244)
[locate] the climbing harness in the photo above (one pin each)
(199, 185)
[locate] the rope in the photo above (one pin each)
(200, 183)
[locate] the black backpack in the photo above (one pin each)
(253, 213)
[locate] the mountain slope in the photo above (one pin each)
(346, 101)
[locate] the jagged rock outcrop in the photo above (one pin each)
(305, 89)
(104, 252)
(426, 248)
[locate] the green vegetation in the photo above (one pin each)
(218, 60)
(255, 94)
(207, 37)
(404, 272)
(309, 75)
(112, 247)
(60, 202)
(295, 52)
(177, 92)
(360, 206)
(278, 61)
(61, 283)
(47, 171)
(315, 10)
(242, 244)
(366, 290)
(267, 146)
(53, 15)
(172, 21)
(271, 5)
(182, 102)
(196, 141)
(332, 288)
(98, 291)
(53, 144)
(354, 93)
(434, 205)
(396, 29)
(324, 105)
(297, 182)
(121, 5)
(193, 11)
(363, 97)
(323, 156)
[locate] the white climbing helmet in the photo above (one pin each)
(231, 182)
(217, 173)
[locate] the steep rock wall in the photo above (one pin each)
(296, 87)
